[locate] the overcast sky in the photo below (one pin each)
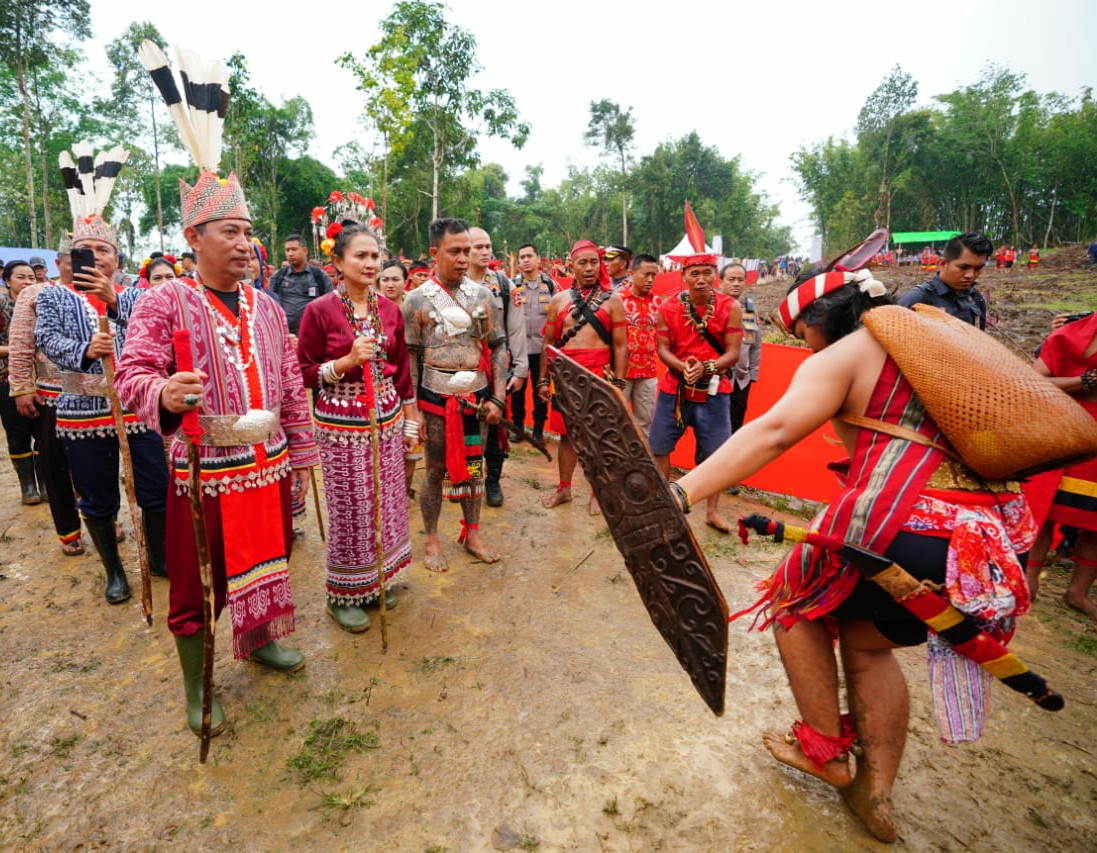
(757, 80)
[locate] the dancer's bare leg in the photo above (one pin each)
(566, 459)
(1083, 576)
(808, 657)
(1037, 556)
(474, 542)
(430, 497)
(881, 706)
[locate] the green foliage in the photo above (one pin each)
(418, 78)
(993, 156)
(324, 751)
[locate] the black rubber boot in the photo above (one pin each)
(28, 484)
(102, 534)
(190, 659)
(155, 524)
(493, 492)
(40, 476)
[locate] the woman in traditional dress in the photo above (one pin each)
(343, 334)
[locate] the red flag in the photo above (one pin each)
(693, 230)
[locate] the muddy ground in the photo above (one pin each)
(524, 705)
(529, 704)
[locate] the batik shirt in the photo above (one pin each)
(642, 316)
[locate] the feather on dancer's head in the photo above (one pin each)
(89, 179)
(197, 104)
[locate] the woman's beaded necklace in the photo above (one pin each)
(368, 326)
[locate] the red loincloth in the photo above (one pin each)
(596, 360)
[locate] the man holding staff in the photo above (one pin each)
(257, 443)
(67, 332)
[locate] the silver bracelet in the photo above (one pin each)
(329, 374)
(411, 428)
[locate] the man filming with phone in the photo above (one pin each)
(68, 332)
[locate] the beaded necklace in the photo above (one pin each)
(370, 325)
(236, 335)
(696, 320)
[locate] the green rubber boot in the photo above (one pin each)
(190, 659)
(390, 601)
(278, 657)
(349, 617)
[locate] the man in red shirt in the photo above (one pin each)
(699, 334)
(641, 316)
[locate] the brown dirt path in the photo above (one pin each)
(506, 715)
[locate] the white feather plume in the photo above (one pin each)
(196, 99)
(89, 177)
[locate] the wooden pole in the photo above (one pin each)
(316, 503)
(184, 362)
(131, 487)
(375, 449)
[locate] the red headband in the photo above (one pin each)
(799, 299)
(588, 246)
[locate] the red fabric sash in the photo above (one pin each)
(256, 564)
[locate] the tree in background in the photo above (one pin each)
(136, 111)
(26, 27)
(993, 156)
(612, 129)
(424, 61)
(261, 141)
(878, 124)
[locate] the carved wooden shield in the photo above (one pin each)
(670, 572)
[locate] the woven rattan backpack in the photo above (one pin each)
(1003, 419)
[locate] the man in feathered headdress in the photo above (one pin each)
(67, 331)
(256, 443)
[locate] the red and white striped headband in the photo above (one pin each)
(799, 299)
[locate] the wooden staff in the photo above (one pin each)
(316, 501)
(131, 486)
(375, 448)
(192, 428)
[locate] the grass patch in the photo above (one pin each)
(62, 747)
(1061, 306)
(529, 843)
(342, 805)
(1082, 641)
(720, 549)
(325, 750)
(437, 663)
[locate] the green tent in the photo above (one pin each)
(922, 236)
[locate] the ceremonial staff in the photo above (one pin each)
(131, 488)
(192, 428)
(316, 502)
(375, 449)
